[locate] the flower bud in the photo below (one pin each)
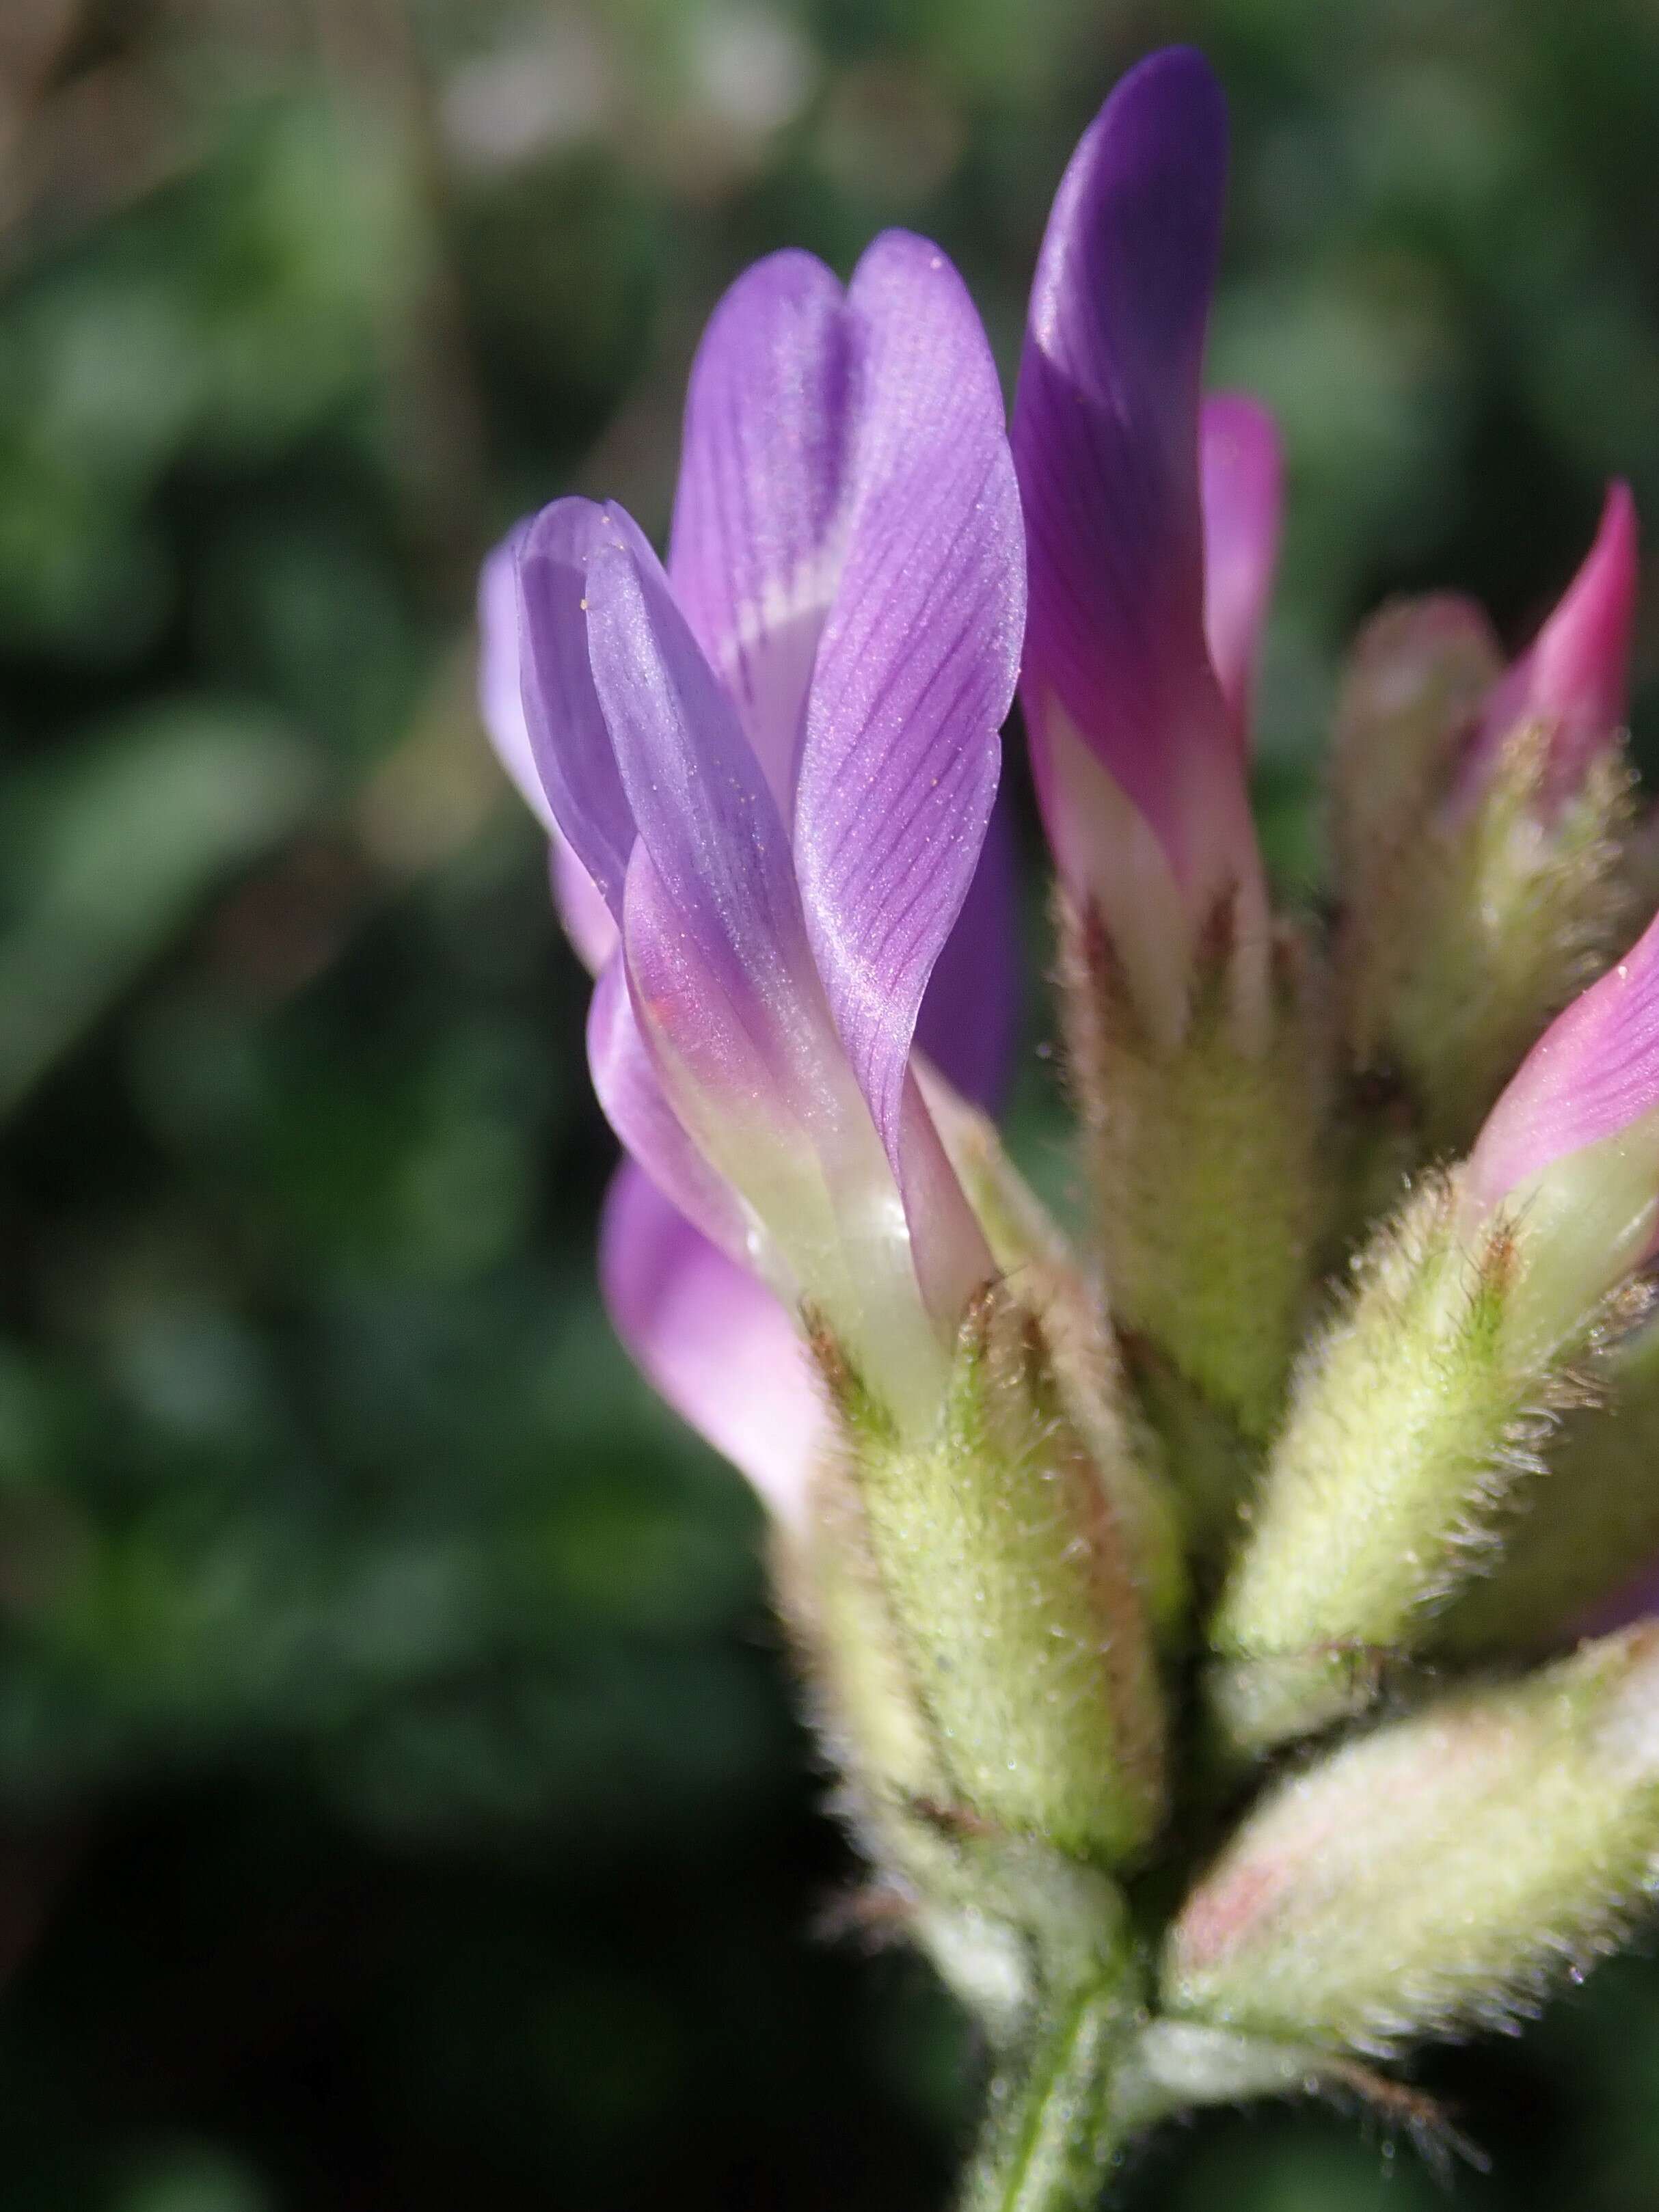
(1439, 1873)
(1571, 1152)
(1408, 1421)
(1479, 818)
(1005, 1571)
(1423, 1407)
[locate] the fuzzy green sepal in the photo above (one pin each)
(1413, 1418)
(1493, 917)
(1590, 1524)
(1010, 1583)
(1210, 1187)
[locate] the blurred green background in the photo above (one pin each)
(401, 1801)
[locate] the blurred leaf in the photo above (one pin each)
(108, 854)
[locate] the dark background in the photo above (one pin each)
(401, 1801)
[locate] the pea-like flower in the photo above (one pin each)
(775, 764)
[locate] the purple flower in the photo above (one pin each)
(1135, 691)
(776, 764)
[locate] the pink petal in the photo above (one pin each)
(1242, 470)
(1593, 1073)
(1575, 677)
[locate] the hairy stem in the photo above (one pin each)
(1049, 2142)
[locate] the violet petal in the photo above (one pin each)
(916, 666)
(712, 1340)
(629, 1087)
(581, 906)
(570, 743)
(732, 976)
(755, 550)
(1105, 436)
(969, 1022)
(500, 707)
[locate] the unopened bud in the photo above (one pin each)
(1414, 1417)
(1429, 1395)
(1479, 825)
(1440, 1873)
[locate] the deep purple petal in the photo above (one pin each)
(713, 1340)
(1241, 474)
(916, 666)
(1593, 1073)
(969, 1025)
(570, 741)
(630, 1089)
(1105, 437)
(755, 546)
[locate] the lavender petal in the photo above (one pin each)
(570, 741)
(916, 665)
(755, 552)
(712, 1340)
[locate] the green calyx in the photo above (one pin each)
(1014, 1611)
(1581, 1532)
(1210, 1193)
(1418, 1414)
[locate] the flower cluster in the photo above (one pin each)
(1212, 1549)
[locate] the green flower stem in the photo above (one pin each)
(1051, 2138)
